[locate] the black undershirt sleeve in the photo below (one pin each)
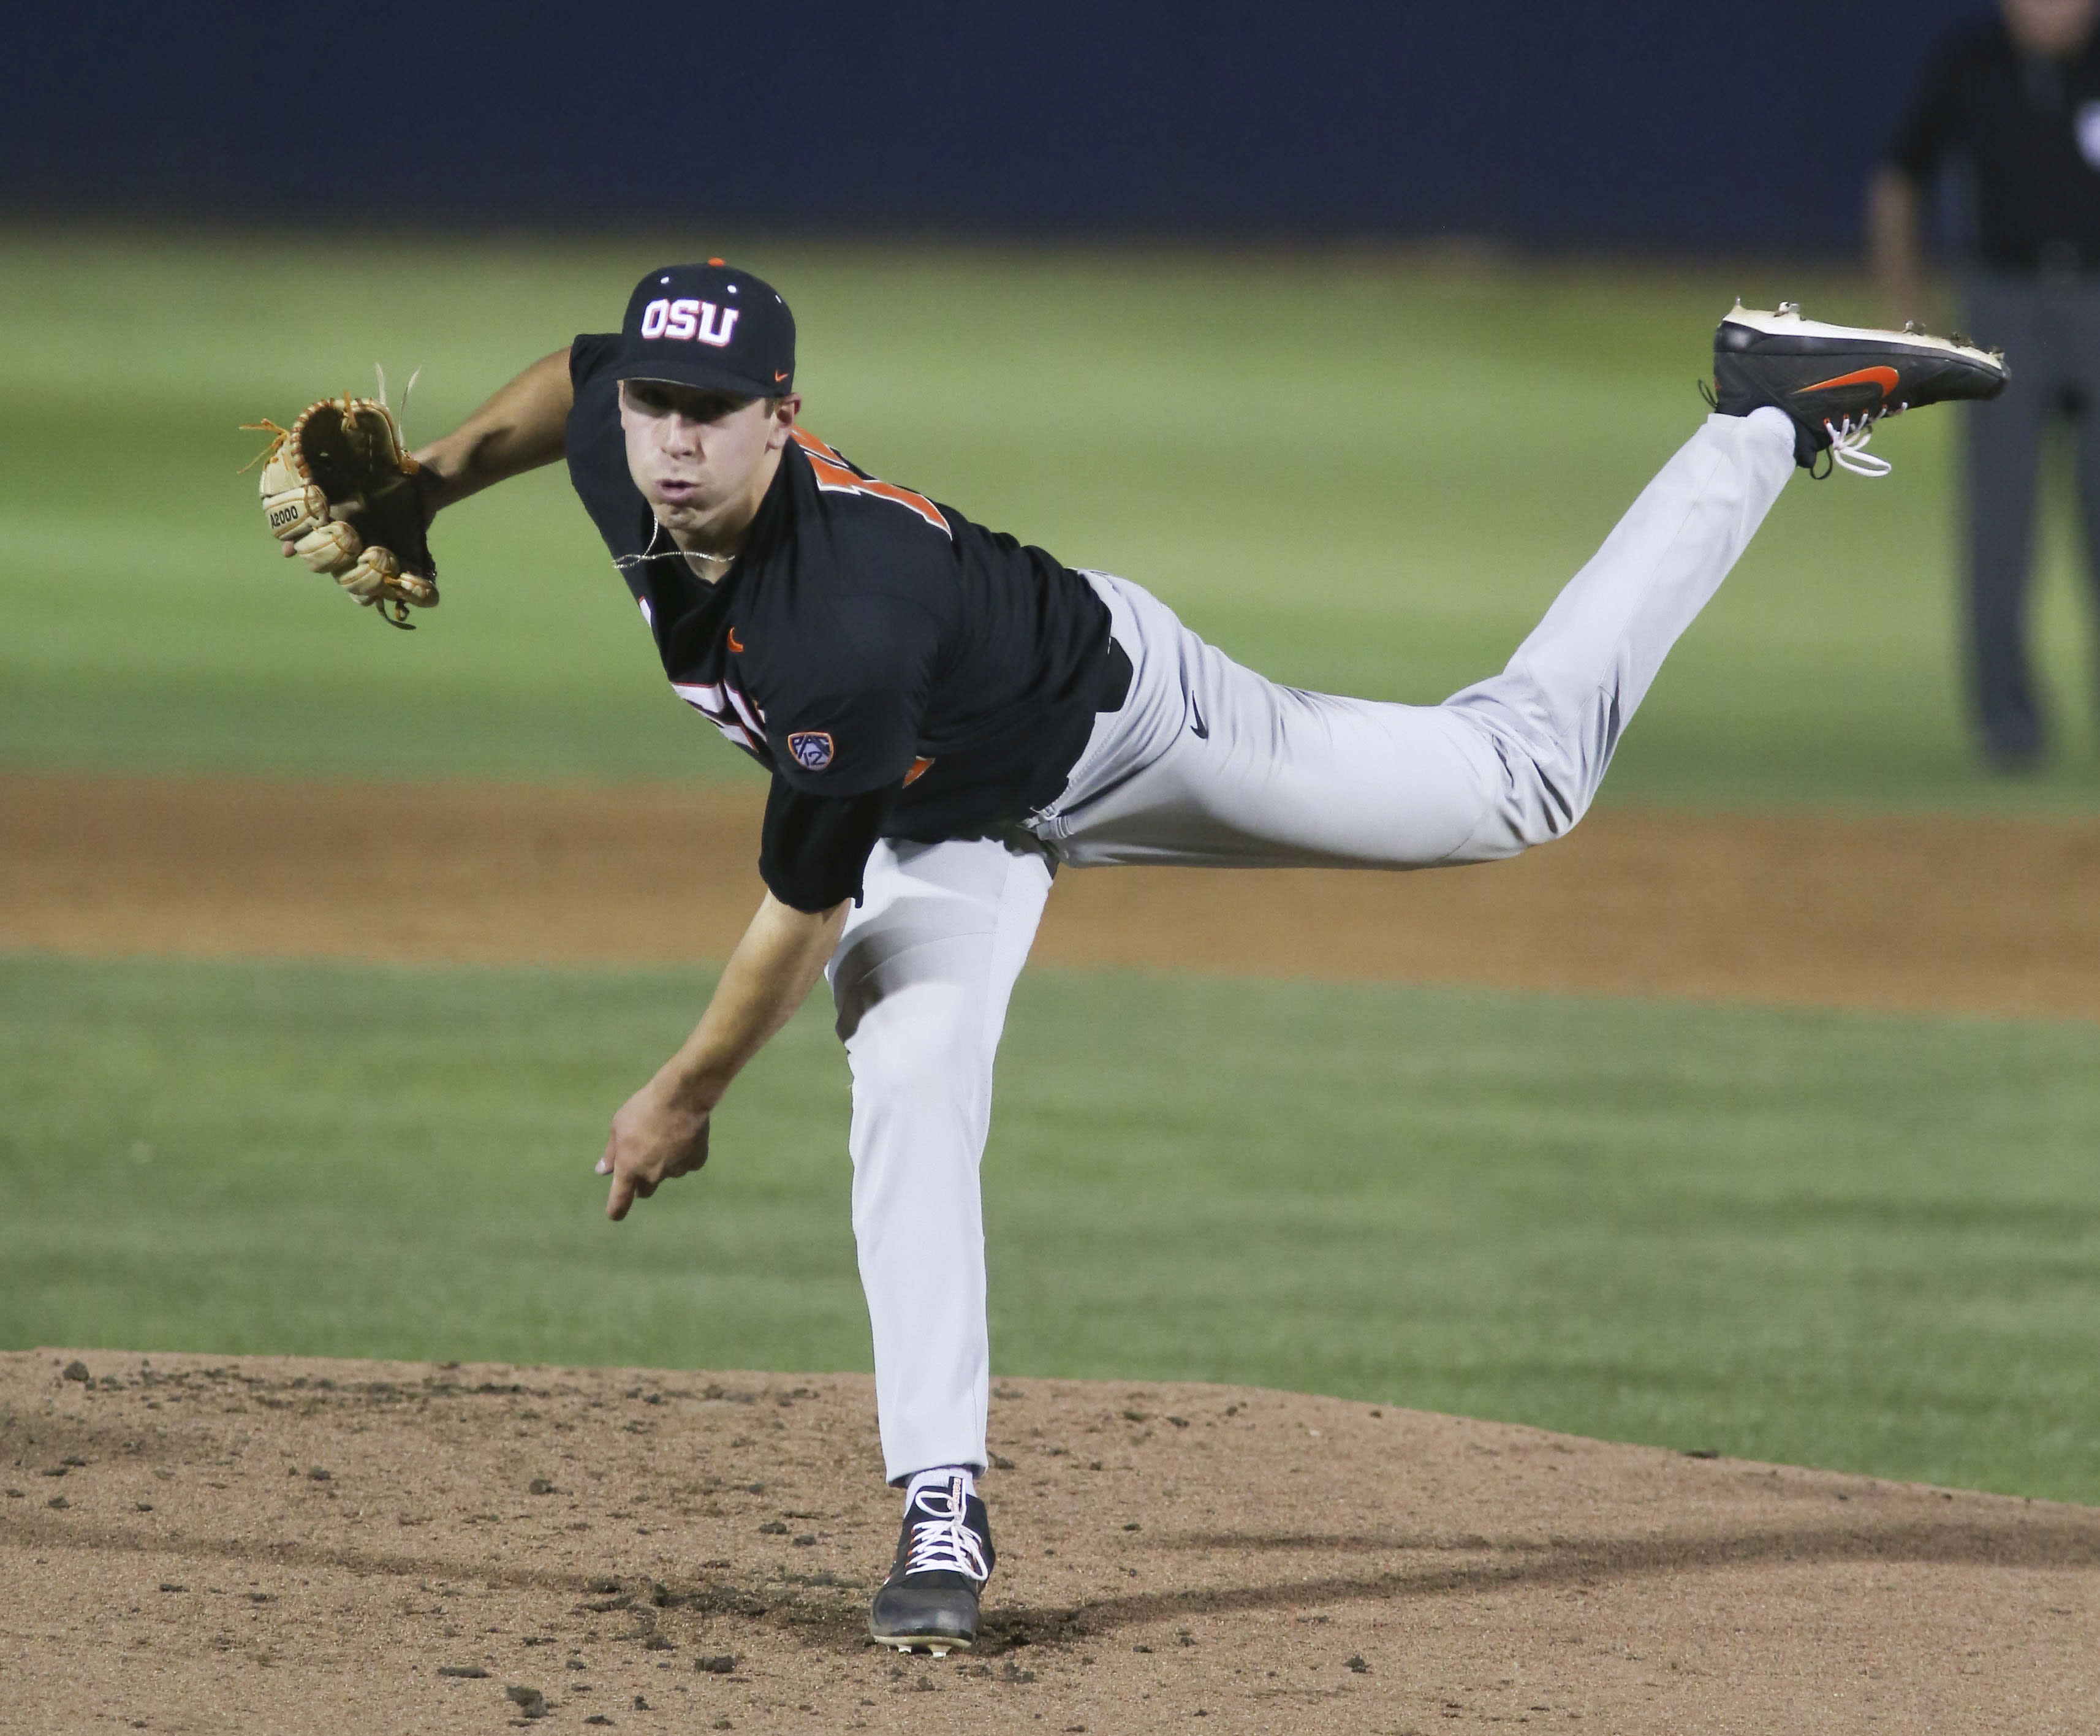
(813, 849)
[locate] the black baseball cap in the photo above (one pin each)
(711, 326)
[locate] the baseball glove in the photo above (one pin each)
(338, 487)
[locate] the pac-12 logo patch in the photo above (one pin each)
(812, 749)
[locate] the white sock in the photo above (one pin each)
(941, 1475)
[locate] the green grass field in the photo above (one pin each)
(1353, 472)
(1855, 1241)
(1870, 1243)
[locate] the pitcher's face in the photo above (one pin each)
(692, 452)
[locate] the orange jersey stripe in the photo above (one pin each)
(835, 475)
(810, 443)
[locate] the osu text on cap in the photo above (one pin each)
(686, 318)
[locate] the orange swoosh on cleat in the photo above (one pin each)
(1884, 377)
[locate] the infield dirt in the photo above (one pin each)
(279, 1545)
(1976, 914)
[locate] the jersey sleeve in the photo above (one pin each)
(813, 849)
(855, 725)
(597, 454)
(842, 749)
(590, 355)
(1931, 127)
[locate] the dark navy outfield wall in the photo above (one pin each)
(1743, 125)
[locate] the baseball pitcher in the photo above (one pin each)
(950, 716)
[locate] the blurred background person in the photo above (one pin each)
(2010, 107)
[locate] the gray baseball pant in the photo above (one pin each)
(1208, 762)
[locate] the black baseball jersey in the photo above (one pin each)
(901, 671)
(2028, 125)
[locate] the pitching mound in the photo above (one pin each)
(281, 1545)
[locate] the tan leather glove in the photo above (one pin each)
(338, 487)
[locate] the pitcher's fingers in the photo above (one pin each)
(622, 1195)
(605, 1157)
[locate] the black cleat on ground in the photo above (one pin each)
(929, 1601)
(1836, 381)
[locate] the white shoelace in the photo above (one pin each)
(942, 1542)
(1848, 444)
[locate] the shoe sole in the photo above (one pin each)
(940, 1644)
(1919, 343)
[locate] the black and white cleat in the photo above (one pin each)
(1836, 381)
(929, 1603)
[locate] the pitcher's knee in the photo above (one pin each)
(908, 1059)
(1543, 773)
(1536, 799)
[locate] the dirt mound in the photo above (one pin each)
(278, 1545)
(1985, 915)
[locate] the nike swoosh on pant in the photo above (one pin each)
(1202, 730)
